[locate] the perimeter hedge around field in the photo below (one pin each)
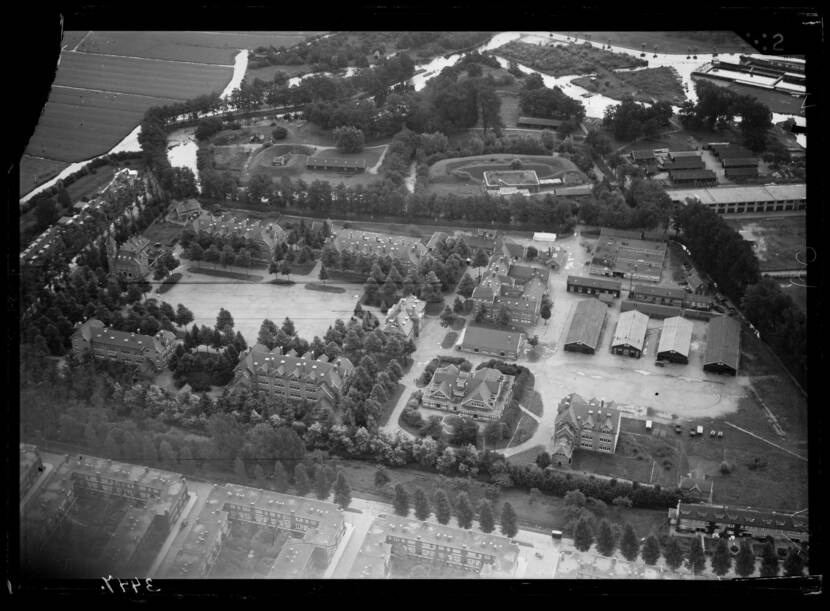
(168, 283)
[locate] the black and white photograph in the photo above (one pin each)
(415, 305)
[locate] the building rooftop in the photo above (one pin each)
(293, 561)
(643, 155)
(723, 342)
(692, 174)
(204, 536)
(504, 553)
(586, 325)
(373, 558)
(491, 340)
(336, 163)
(600, 283)
(741, 194)
(539, 121)
(631, 330)
(676, 336)
(740, 162)
(511, 178)
(327, 515)
(657, 291)
(168, 485)
(747, 516)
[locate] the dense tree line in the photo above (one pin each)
(537, 100)
(717, 107)
(723, 254)
(630, 120)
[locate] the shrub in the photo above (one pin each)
(279, 133)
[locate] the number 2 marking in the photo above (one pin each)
(778, 38)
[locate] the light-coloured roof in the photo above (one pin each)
(631, 330)
(676, 336)
(740, 194)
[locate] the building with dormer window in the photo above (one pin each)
(587, 425)
(482, 393)
(291, 376)
(405, 317)
(143, 351)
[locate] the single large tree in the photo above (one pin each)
(721, 560)
(464, 510)
(769, 561)
(508, 521)
(629, 544)
(486, 520)
(301, 482)
(745, 562)
(697, 557)
(342, 491)
(794, 563)
(443, 510)
(673, 554)
(422, 509)
(401, 502)
(606, 541)
(583, 534)
(280, 477)
(381, 477)
(651, 549)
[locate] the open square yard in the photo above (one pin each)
(779, 242)
(313, 312)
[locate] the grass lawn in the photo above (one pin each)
(35, 171)
(613, 465)
(449, 340)
(302, 269)
(163, 233)
(390, 404)
(225, 274)
(670, 42)
(532, 402)
(509, 110)
(561, 59)
(798, 294)
(369, 154)
(168, 283)
(660, 84)
(434, 308)
(325, 288)
(525, 429)
(458, 323)
(777, 240)
(528, 456)
(266, 73)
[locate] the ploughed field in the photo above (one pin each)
(203, 47)
(106, 81)
(78, 123)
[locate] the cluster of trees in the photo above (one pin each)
(588, 522)
(630, 120)
(86, 294)
(463, 509)
(644, 204)
(537, 100)
(90, 168)
(349, 139)
(202, 369)
(165, 264)
(717, 107)
(216, 248)
(780, 322)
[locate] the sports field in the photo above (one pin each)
(35, 170)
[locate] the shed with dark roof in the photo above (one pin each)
(586, 327)
(723, 346)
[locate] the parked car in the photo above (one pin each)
(720, 434)
(660, 363)
(678, 429)
(712, 433)
(691, 432)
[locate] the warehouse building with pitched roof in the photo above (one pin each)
(586, 327)
(630, 334)
(723, 346)
(675, 340)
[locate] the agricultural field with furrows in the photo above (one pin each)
(35, 170)
(78, 124)
(147, 77)
(203, 47)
